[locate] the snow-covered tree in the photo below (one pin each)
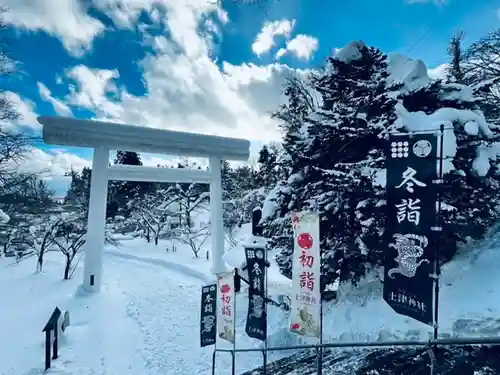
(189, 198)
(78, 193)
(153, 212)
(194, 236)
(338, 163)
(328, 174)
(478, 67)
(120, 193)
(300, 104)
(69, 236)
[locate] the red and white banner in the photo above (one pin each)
(225, 307)
(306, 271)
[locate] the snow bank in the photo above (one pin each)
(4, 218)
(411, 73)
(473, 122)
(484, 155)
(468, 308)
(350, 52)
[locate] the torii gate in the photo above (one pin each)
(105, 136)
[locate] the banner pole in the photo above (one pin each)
(320, 349)
(265, 309)
(437, 268)
(233, 364)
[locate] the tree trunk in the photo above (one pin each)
(156, 240)
(188, 214)
(67, 267)
(194, 248)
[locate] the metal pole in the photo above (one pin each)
(437, 268)
(264, 354)
(319, 357)
(216, 324)
(380, 344)
(233, 362)
(47, 349)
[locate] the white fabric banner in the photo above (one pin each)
(306, 270)
(225, 306)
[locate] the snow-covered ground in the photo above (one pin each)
(146, 319)
(469, 305)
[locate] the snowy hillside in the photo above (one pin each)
(467, 307)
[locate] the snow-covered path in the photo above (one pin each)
(164, 305)
(145, 321)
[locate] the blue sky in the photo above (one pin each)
(189, 65)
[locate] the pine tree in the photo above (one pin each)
(78, 194)
(267, 174)
(328, 174)
(339, 158)
(120, 193)
(300, 104)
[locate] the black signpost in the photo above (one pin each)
(411, 215)
(256, 325)
(208, 316)
(257, 228)
(51, 337)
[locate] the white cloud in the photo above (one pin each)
(52, 165)
(186, 89)
(265, 39)
(68, 20)
(192, 95)
(91, 88)
(303, 46)
(60, 107)
(25, 108)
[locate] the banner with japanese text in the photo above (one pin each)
(306, 271)
(411, 213)
(256, 325)
(208, 317)
(225, 307)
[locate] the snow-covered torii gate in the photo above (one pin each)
(106, 136)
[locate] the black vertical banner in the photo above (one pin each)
(208, 317)
(256, 326)
(411, 213)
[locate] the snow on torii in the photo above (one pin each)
(105, 136)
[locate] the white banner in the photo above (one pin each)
(306, 270)
(225, 306)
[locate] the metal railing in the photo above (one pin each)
(431, 344)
